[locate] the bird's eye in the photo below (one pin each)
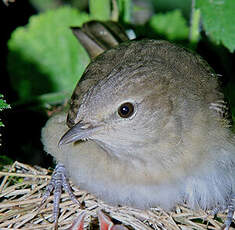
(126, 110)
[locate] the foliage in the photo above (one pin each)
(3, 105)
(45, 60)
(171, 24)
(100, 10)
(44, 56)
(4, 160)
(124, 7)
(218, 18)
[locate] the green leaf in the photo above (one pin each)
(171, 25)
(45, 56)
(100, 9)
(218, 18)
(5, 160)
(3, 105)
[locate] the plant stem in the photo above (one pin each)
(125, 10)
(194, 34)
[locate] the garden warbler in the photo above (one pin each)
(146, 128)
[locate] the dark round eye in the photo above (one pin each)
(126, 110)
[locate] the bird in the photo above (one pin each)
(147, 127)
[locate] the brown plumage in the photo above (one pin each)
(168, 146)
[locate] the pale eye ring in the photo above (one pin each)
(126, 110)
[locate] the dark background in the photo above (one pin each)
(22, 131)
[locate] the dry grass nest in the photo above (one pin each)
(22, 187)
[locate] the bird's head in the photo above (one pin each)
(127, 107)
(131, 97)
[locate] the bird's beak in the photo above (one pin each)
(78, 132)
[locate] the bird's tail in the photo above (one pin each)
(97, 36)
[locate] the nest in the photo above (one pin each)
(22, 187)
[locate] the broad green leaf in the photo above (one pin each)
(218, 18)
(100, 9)
(171, 25)
(45, 57)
